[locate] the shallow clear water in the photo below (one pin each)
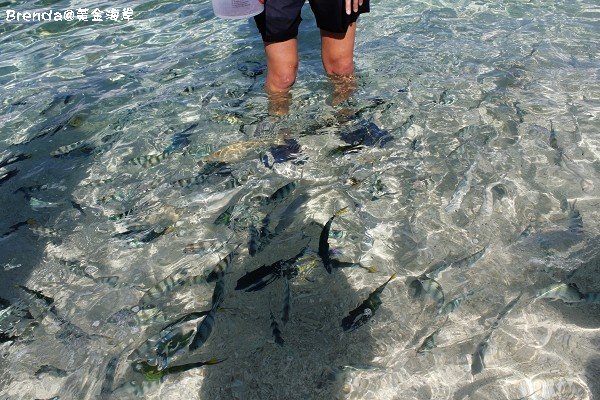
(479, 130)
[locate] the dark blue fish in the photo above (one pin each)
(287, 151)
(13, 228)
(4, 303)
(57, 100)
(324, 245)
(276, 331)
(48, 302)
(251, 69)
(11, 159)
(368, 134)
(180, 140)
(260, 278)
(265, 275)
(348, 149)
(365, 311)
(5, 176)
(77, 206)
(253, 240)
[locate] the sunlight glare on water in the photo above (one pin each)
(163, 237)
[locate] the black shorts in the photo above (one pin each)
(280, 19)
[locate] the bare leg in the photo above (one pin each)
(282, 66)
(337, 52)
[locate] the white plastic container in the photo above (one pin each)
(237, 9)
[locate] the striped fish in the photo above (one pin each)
(203, 330)
(37, 204)
(258, 240)
(205, 327)
(65, 150)
(478, 358)
(225, 217)
(149, 160)
(153, 296)
(152, 373)
(427, 287)
(44, 232)
(280, 194)
(202, 247)
(253, 240)
(176, 337)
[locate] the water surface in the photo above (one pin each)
(474, 130)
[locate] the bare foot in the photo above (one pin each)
(343, 87)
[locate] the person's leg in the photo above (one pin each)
(337, 53)
(282, 66)
(278, 26)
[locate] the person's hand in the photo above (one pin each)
(350, 3)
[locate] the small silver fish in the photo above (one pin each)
(453, 304)
(478, 357)
(202, 247)
(37, 204)
(461, 190)
(568, 293)
(429, 342)
(553, 140)
(44, 232)
(575, 220)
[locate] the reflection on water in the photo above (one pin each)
(136, 156)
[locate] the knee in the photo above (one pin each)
(343, 66)
(282, 79)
